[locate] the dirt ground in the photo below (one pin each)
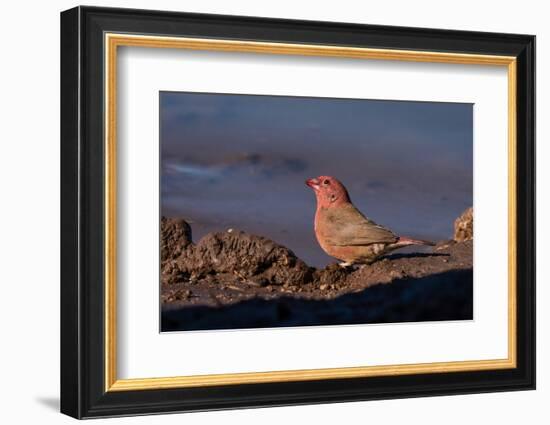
(236, 280)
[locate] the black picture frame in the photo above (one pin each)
(83, 392)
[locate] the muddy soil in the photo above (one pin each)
(237, 280)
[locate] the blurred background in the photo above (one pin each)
(240, 161)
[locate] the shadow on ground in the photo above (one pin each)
(51, 403)
(441, 296)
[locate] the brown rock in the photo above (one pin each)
(331, 273)
(464, 226)
(175, 236)
(249, 257)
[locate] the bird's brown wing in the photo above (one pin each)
(348, 227)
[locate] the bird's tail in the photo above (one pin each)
(404, 241)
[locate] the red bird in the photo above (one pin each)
(344, 232)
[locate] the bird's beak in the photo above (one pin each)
(313, 183)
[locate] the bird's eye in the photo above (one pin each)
(326, 182)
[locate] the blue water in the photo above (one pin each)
(240, 161)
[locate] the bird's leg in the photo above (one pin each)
(345, 264)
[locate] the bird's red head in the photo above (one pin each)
(329, 191)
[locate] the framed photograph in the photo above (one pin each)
(261, 212)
